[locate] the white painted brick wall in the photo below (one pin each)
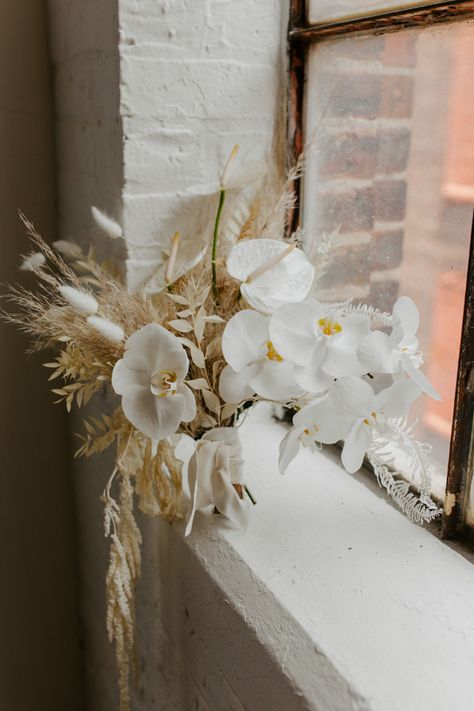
(151, 95)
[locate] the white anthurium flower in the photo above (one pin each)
(271, 272)
(234, 176)
(254, 366)
(320, 341)
(213, 469)
(366, 413)
(398, 352)
(153, 273)
(150, 378)
(315, 424)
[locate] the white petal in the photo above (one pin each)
(124, 378)
(274, 380)
(311, 377)
(245, 174)
(377, 355)
(341, 360)
(289, 448)
(406, 314)
(325, 424)
(293, 330)
(288, 281)
(352, 397)
(420, 378)
(243, 338)
(158, 348)
(157, 417)
(395, 400)
(189, 412)
(355, 447)
(233, 386)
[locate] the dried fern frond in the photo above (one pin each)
(418, 508)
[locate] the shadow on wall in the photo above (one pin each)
(40, 665)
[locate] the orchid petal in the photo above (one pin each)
(377, 354)
(325, 424)
(406, 316)
(158, 347)
(274, 380)
(189, 411)
(289, 448)
(244, 338)
(156, 417)
(233, 386)
(420, 378)
(395, 400)
(356, 445)
(292, 330)
(311, 377)
(123, 378)
(352, 397)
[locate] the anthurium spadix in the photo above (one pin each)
(320, 341)
(164, 263)
(398, 352)
(234, 176)
(254, 366)
(271, 272)
(150, 378)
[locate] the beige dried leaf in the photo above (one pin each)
(212, 401)
(180, 325)
(198, 384)
(228, 410)
(197, 356)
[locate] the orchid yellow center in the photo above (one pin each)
(164, 381)
(272, 354)
(373, 419)
(329, 327)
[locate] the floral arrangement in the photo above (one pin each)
(209, 328)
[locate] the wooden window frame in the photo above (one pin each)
(301, 36)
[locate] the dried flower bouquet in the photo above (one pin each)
(212, 327)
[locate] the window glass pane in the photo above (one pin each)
(326, 10)
(392, 121)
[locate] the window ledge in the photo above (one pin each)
(354, 605)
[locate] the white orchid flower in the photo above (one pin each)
(154, 273)
(271, 272)
(315, 424)
(366, 413)
(213, 469)
(234, 176)
(254, 366)
(149, 378)
(319, 341)
(398, 352)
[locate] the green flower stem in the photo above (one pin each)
(215, 239)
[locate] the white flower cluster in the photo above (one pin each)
(330, 366)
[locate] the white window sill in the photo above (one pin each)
(354, 606)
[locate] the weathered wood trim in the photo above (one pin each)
(392, 21)
(462, 439)
(296, 80)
